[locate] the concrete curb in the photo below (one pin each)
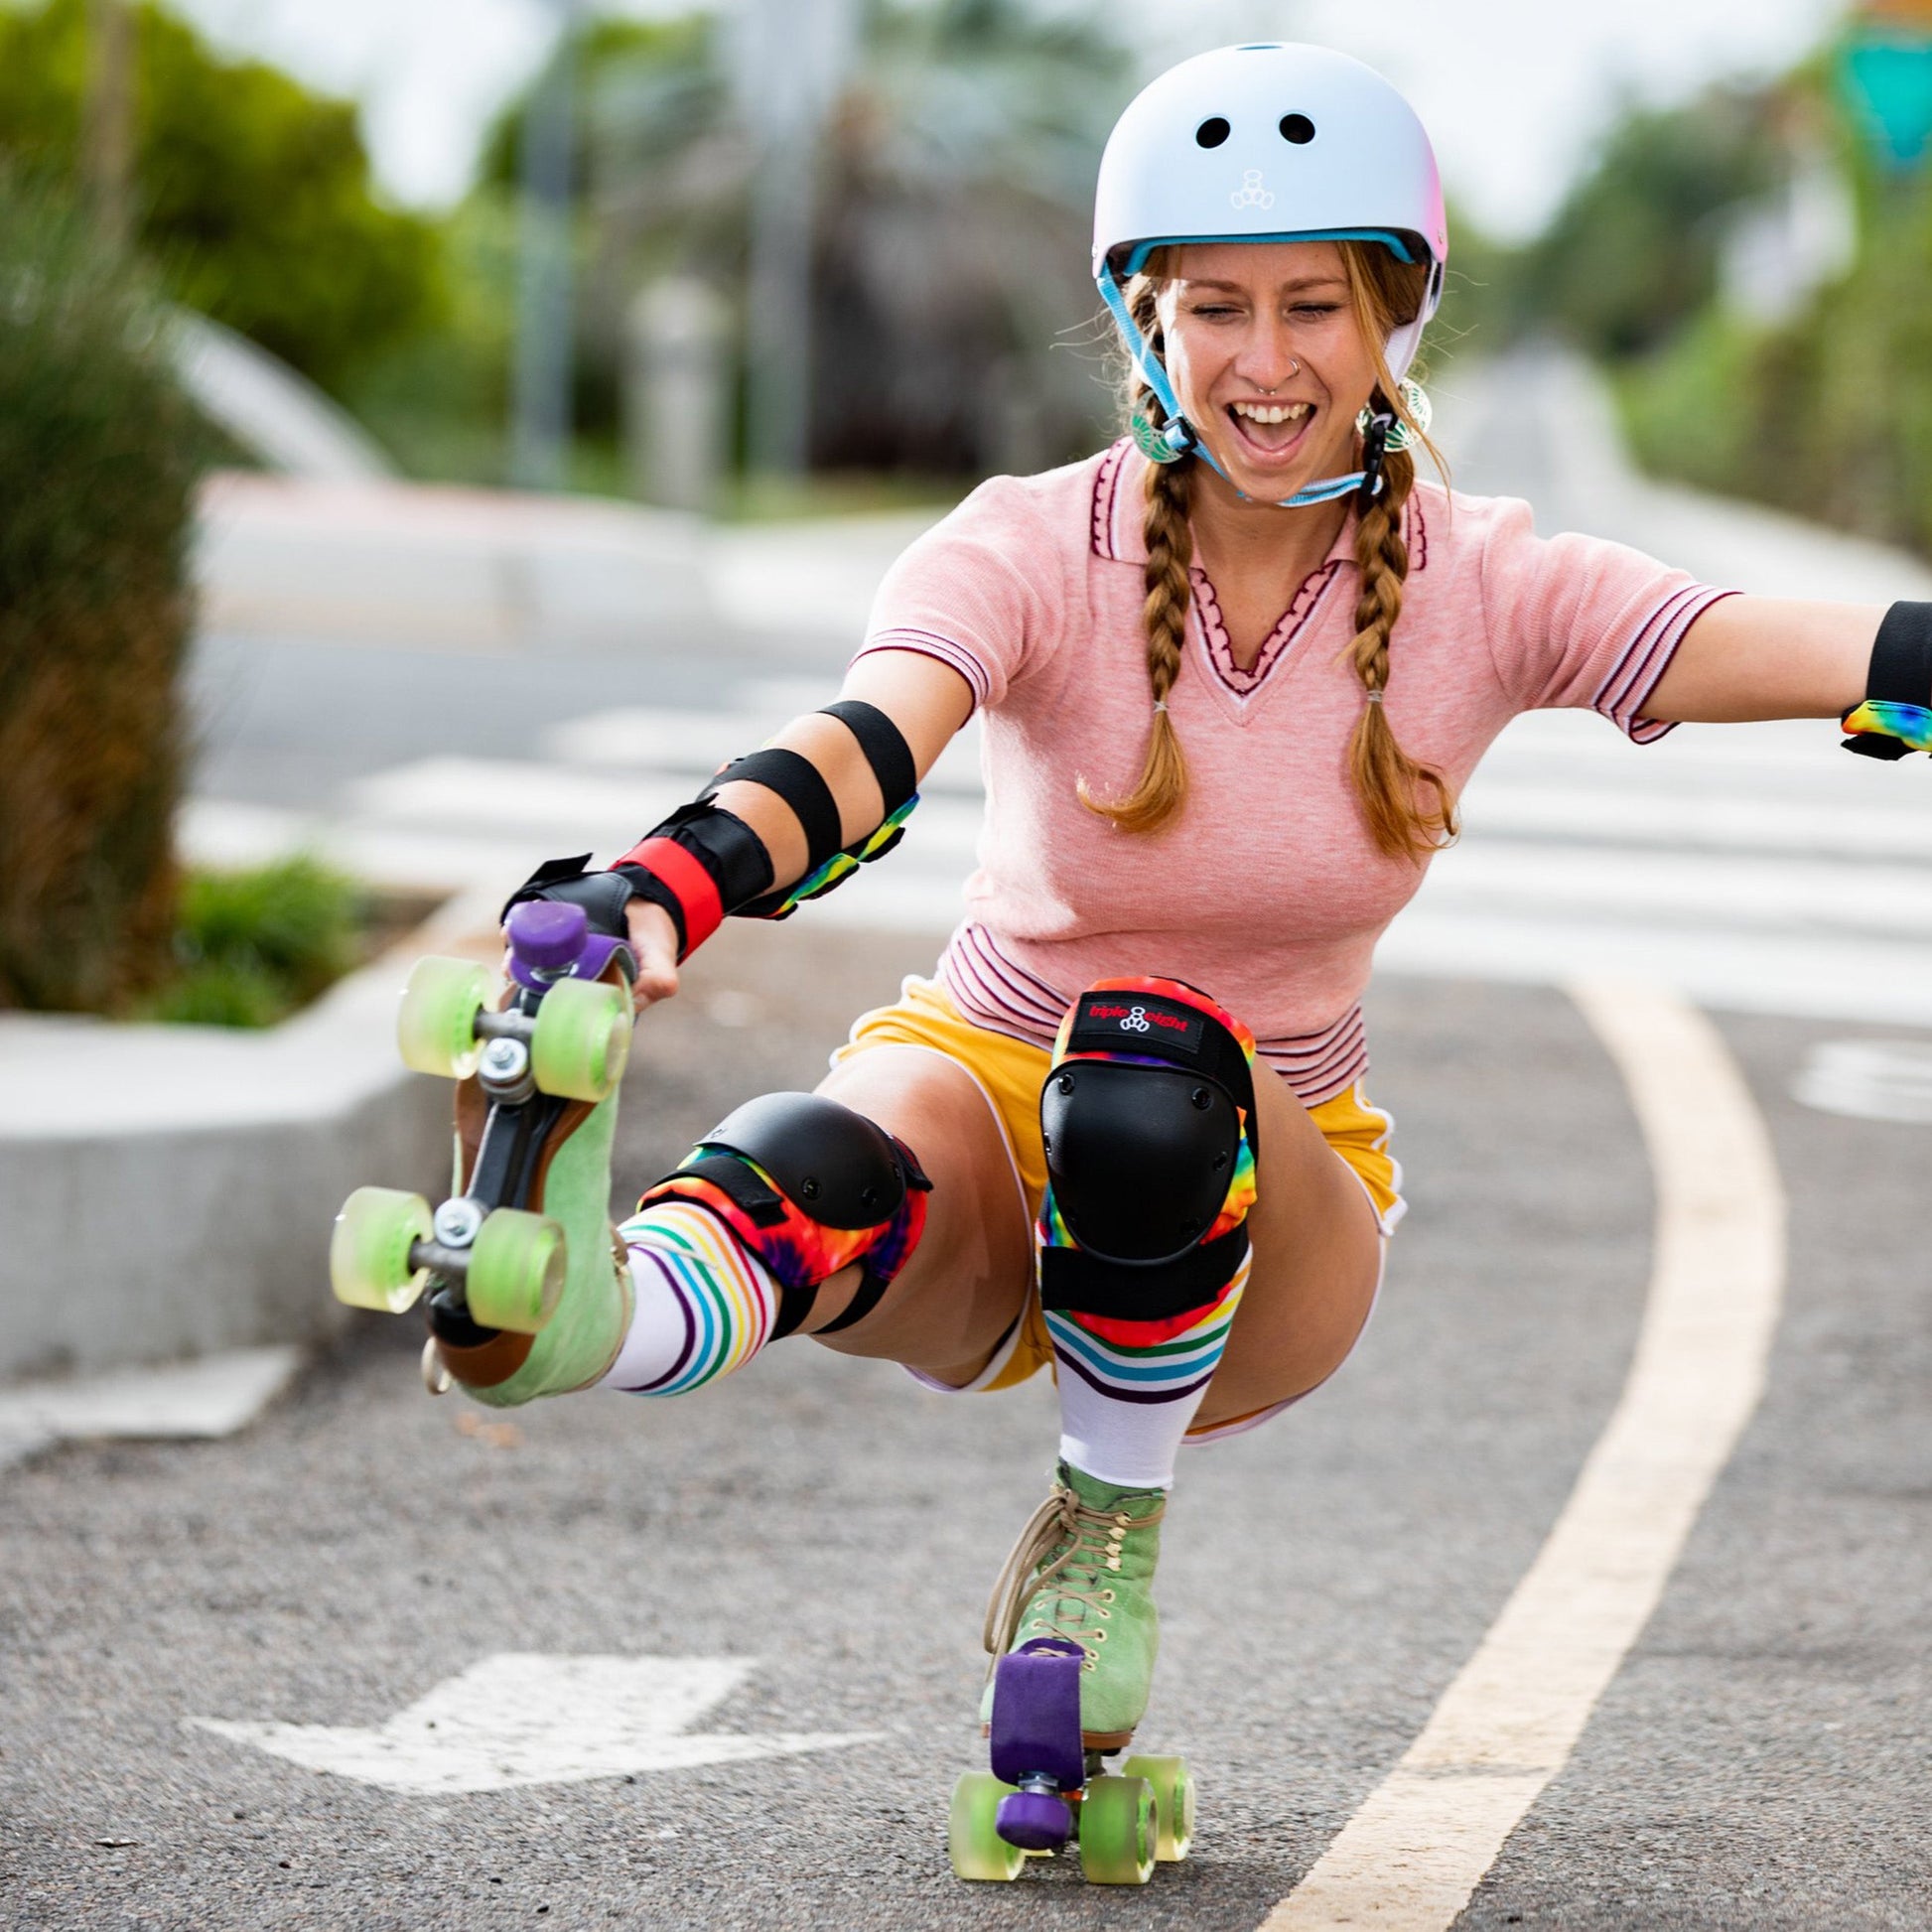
(443, 567)
(168, 1191)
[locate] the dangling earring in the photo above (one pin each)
(1167, 444)
(1415, 400)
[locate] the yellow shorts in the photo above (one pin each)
(1011, 1072)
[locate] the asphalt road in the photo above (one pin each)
(1761, 1760)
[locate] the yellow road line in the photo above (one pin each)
(1412, 1857)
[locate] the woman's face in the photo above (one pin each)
(1266, 359)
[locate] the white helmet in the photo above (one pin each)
(1274, 141)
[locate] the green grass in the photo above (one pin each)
(253, 947)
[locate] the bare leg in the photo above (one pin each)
(968, 1279)
(1317, 1260)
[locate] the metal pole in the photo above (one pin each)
(541, 416)
(107, 116)
(793, 56)
(778, 332)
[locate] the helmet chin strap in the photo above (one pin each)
(1182, 437)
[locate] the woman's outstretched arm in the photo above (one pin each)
(1752, 658)
(927, 700)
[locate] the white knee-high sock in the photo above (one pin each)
(704, 1305)
(1128, 1389)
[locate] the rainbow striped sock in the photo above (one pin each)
(704, 1305)
(1128, 1389)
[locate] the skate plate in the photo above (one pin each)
(490, 1259)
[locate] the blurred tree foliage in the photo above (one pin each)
(99, 456)
(949, 254)
(1827, 413)
(252, 195)
(1632, 253)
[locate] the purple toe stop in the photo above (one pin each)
(1034, 1821)
(547, 936)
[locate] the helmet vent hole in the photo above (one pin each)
(1298, 129)
(1214, 131)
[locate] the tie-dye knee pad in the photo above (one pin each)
(1148, 1114)
(808, 1187)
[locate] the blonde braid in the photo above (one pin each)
(1391, 785)
(1161, 790)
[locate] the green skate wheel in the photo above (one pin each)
(516, 1271)
(1174, 1803)
(975, 1848)
(436, 1027)
(1116, 1832)
(369, 1253)
(582, 1034)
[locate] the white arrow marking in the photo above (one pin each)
(522, 1719)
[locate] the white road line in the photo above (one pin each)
(1409, 1860)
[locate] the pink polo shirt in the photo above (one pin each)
(1267, 890)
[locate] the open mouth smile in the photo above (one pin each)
(1270, 432)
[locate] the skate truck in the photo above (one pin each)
(1046, 1789)
(538, 1063)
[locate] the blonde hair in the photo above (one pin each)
(1408, 806)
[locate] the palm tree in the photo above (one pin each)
(950, 235)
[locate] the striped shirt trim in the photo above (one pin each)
(1640, 668)
(1106, 491)
(1212, 627)
(930, 643)
(993, 992)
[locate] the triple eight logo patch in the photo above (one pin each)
(1135, 1023)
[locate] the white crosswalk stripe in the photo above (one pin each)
(447, 824)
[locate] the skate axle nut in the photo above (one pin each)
(504, 1071)
(456, 1223)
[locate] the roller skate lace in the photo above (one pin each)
(1059, 1580)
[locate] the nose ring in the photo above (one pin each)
(1294, 370)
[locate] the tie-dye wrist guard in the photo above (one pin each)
(1909, 725)
(1895, 717)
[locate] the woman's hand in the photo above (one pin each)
(653, 938)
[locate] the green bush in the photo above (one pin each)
(1828, 415)
(251, 194)
(253, 947)
(99, 456)
(1632, 253)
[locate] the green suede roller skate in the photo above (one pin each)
(1082, 1572)
(527, 1290)
(1072, 1632)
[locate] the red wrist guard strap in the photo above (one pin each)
(699, 910)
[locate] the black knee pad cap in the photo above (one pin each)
(842, 1169)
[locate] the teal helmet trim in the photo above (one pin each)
(1398, 245)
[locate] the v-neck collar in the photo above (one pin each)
(1218, 646)
(1115, 534)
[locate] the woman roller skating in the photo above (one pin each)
(1236, 671)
